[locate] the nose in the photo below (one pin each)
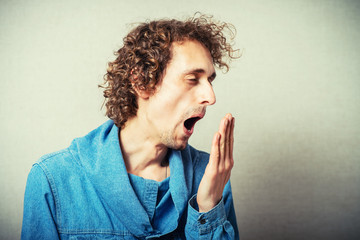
(207, 95)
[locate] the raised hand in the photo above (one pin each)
(218, 170)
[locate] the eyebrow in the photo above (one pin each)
(199, 70)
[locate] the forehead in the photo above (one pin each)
(191, 55)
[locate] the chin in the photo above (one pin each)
(182, 147)
(178, 146)
(170, 140)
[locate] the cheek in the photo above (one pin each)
(169, 102)
(170, 106)
(163, 112)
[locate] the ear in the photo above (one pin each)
(140, 90)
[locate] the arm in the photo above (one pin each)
(39, 207)
(211, 215)
(218, 223)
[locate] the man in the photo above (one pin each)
(136, 177)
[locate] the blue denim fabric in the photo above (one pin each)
(84, 192)
(155, 197)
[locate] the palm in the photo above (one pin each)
(218, 170)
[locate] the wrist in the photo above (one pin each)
(207, 205)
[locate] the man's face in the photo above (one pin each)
(183, 94)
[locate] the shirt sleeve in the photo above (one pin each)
(218, 223)
(39, 207)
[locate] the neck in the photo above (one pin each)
(143, 155)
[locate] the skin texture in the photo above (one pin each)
(218, 170)
(185, 91)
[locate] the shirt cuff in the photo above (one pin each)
(205, 222)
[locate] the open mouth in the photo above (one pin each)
(190, 123)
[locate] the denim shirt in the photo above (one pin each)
(156, 199)
(84, 192)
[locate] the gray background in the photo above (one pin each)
(295, 95)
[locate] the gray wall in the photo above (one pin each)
(295, 94)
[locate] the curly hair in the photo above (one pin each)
(141, 62)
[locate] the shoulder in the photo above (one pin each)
(53, 169)
(55, 160)
(54, 156)
(42, 178)
(81, 152)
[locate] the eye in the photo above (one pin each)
(211, 80)
(193, 80)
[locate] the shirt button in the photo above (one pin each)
(202, 221)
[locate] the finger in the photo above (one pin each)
(223, 129)
(230, 161)
(227, 178)
(228, 136)
(215, 150)
(227, 160)
(232, 139)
